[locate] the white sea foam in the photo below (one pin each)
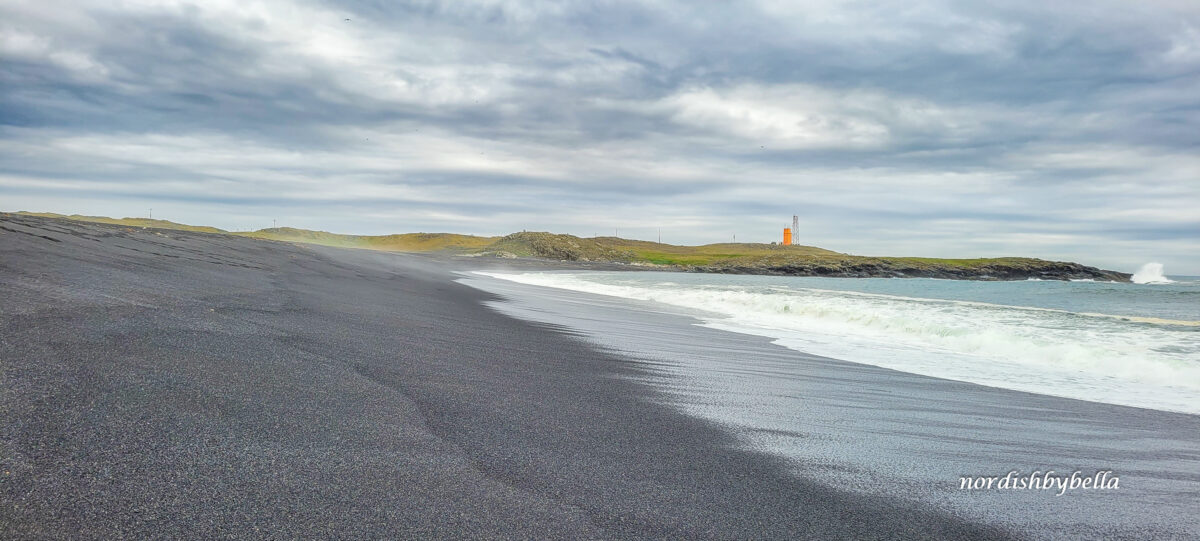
(1151, 273)
(1145, 362)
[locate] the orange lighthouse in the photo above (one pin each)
(787, 236)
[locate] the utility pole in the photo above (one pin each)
(660, 235)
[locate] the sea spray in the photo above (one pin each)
(1151, 273)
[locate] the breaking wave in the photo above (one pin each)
(1144, 362)
(1151, 273)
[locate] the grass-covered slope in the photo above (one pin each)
(407, 242)
(131, 222)
(561, 247)
(708, 254)
(572, 248)
(428, 242)
(741, 258)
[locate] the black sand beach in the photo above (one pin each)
(161, 384)
(164, 384)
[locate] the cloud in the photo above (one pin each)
(927, 128)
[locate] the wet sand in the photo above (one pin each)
(882, 432)
(161, 384)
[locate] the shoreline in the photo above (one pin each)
(180, 384)
(876, 430)
(1026, 337)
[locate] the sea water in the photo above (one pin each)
(1120, 343)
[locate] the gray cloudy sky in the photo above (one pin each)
(1064, 130)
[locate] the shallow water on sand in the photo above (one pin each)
(872, 430)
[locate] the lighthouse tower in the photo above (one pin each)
(790, 234)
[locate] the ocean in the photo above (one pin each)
(1119, 343)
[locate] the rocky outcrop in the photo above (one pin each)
(882, 268)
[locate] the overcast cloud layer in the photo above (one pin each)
(1061, 130)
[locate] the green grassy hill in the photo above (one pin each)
(407, 242)
(429, 242)
(561, 247)
(708, 254)
(131, 222)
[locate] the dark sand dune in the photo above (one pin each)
(163, 384)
